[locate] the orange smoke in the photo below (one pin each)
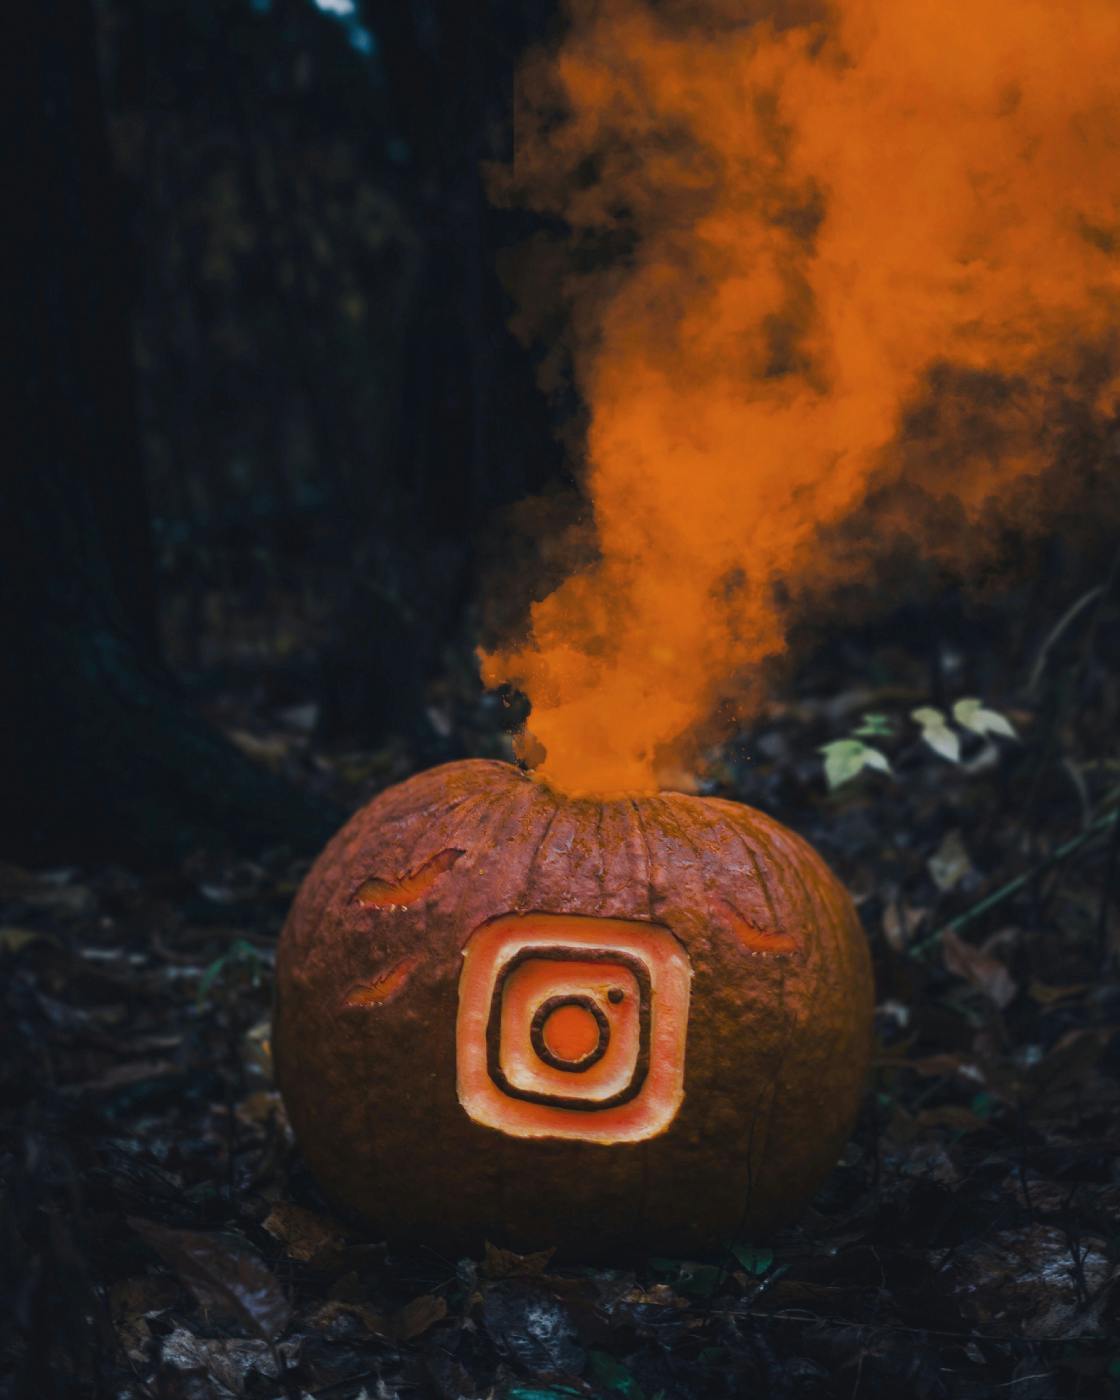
(816, 218)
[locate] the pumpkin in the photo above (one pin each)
(507, 1014)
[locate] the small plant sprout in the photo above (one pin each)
(936, 732)
(845, 759)
(971, 714)
(874, 726)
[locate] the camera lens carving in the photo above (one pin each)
(615, 960)
(572, 1026)
(570, 1033)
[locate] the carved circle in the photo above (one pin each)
(540, 1045)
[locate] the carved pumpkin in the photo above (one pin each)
(508, 1014)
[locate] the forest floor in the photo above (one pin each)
(164, 1239)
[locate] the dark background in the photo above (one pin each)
(268, 404)
(270, 433)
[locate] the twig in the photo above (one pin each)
(1055, 634)
(1014, 886)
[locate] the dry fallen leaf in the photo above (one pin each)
(504, 1263)
(14, 939)
(983, 971)
(333, 1309)
(305, 1235)
(900, 922)
(1047, 995)
(224, 1274)
(1028, 1282)
(950, 864)
(226, 1363)
(416, 1317)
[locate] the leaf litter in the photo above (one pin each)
(160, 1235)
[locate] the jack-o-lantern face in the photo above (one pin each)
(481, 982)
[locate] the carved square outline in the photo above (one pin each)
(566, 953)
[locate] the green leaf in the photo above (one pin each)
(613, 1375)
(936, 732)
(240, 952)
(971, 714)
(874, 726)
(755, 1261)
(845, 758)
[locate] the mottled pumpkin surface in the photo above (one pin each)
(367, 995)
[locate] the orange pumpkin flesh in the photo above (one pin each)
(506, 1014)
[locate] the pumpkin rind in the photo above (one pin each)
(367, 993)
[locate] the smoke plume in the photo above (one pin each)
(832, 276)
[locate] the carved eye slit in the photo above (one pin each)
(379, 893)
(760, 940)
(384, 986)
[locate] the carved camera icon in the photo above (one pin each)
(571, 1026)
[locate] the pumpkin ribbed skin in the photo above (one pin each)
(777, 1030)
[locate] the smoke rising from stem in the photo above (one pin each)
(833, 276)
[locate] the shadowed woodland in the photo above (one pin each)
(276, 466)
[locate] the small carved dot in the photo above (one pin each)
(615, 995)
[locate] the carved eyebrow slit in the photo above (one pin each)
(379, 893)
(756, 940)
(385, 986)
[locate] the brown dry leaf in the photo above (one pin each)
(226, 1363)
(13, 939)
(271, 749)
(658, 1295)
(120, 1076)
(257, 1110)
(926, 1161)
(1040, 1196)
(133, 1336)
(131, 1302)
(1069, 1062)
(305, 1235)
(374, 1322)
(504, 1263)
(1027, 1282)
(950, 864)
(224, 1274)
(941, 1066)
(68, 901)
(416, 1317)
(951, 1115)
(143, 1296)
(900, 923)
(256, 1047)
(984, 972)
(1047, 995)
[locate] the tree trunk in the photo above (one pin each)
(474, 433)
(99, 753)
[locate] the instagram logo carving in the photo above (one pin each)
(572, 1027)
